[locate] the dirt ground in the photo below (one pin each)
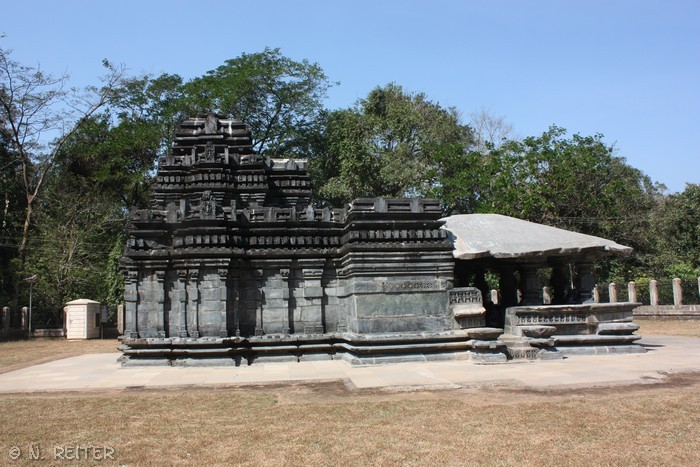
(334, 422)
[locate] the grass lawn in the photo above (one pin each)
(289, 425)
(16, 354)
(327, 423)
(669, 327)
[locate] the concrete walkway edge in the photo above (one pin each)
(95, 372)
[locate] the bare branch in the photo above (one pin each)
(33, 106)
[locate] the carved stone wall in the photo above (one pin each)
(231, 247)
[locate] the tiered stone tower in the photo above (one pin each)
(232, 264)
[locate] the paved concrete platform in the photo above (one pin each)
(666, 355)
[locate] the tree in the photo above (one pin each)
(490, 131)
(74, 228)
(274, 95)
(35, 108)
(677, 221)
(12, 200)
(574, 183)
(390, 144)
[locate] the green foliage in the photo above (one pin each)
(391, 143)
(115, 279)
(277, 97)
(677, 221)
(12, 206)
(73, 230)
(574, 183)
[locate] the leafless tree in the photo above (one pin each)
(489, 130)
(40, 113)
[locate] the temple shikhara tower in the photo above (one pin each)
(232, 264)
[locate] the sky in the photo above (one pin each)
(627, 69)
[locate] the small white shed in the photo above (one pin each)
(82, 319)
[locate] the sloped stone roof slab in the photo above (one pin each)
(502, 237)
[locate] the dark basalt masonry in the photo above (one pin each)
(232, 263)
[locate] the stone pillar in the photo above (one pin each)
(160, 300)
(509, 287)
(480, 283)
(612, 292)
(131, 299)
(546, 295)
(25, 317)
(584, 282)
(632, 292)
(596, 295)
(120, 319)
(653, 293)
(560, 282)
(677, 292)
(6, 320)
(223, 290)
(494, 296)
(193, 302)
(530, 285)
(181, 296)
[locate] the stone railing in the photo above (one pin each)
(654, 296)
(679, 309)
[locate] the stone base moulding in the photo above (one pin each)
(352, 348)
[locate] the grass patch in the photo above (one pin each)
(14, 354)
(669, 327)
(226, 426)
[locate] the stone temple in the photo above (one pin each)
(232, 264)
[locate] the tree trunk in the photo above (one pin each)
(22, 250)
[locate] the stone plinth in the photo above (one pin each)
(549, 331)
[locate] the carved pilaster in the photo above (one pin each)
(193, 302)
(284, 273)
(182, 301)
(131, 298)
(312, 307)
(258, 276)
(223, 276)
(160, 299)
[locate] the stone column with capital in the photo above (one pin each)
(584, 282)
(560, 283)
(530, 285)
(509, 287)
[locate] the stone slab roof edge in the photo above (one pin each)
(502, 237)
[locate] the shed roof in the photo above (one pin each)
(500, 237)
(82, 301)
